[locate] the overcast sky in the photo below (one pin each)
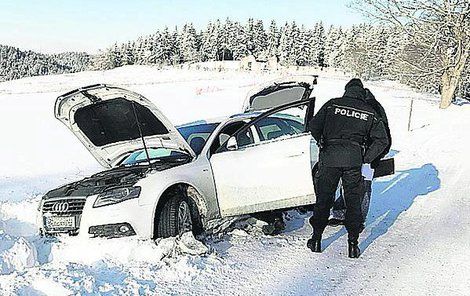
(87, 25)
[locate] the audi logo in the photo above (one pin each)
(60, 207)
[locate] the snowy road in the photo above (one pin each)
(417, 239)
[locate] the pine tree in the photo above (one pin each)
(340, 45)
(331, 49)
(239, 47)
(231, 40)
(166, 50)
(116, 56)
(285, 44)
(209, 45)
(127, 54)
(302, 47)
(295, 44)
(189, 46)
(104, 60)
(317, 52)
(249, 36)
(272, 43)
(154, 49)
(175, 57)
(259, 40)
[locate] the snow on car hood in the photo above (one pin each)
(111, 121)
(279, 92)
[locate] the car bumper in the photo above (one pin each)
(122, 219)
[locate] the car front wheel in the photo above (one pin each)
(175, 217)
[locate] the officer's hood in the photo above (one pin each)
(355, 89)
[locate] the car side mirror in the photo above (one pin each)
(232, 144)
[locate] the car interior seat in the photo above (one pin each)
(243, 139)
(274, 135)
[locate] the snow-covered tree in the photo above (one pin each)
(334, 47)
(237, 40)
(210, 38)
(317, 48)
(302, 47)
(127, 53)
(272, 40)
(104, 60)
(286, 45)
(440, 31)
(406, 51)
(16, 63)
(189, 44)
(259, 39)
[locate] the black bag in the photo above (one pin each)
(385, 167)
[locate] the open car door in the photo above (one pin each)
(274, 172)
(279, 92)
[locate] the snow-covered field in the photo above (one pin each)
(417, 239)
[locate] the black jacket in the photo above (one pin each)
(349, 130)
(370, 99)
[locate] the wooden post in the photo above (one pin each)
(409, 117)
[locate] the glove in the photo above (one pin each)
(367, 172)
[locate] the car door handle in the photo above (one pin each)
(296, 154)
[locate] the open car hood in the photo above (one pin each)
(279, 92)
(111, 121)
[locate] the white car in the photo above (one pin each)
(163, 180)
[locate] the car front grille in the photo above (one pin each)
(64, 207)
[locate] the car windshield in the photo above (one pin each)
(197, 134)
(155, 154)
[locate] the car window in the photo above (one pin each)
(297, 126)
(268, 98)
(281, 122)
(154, 153)
(197, 134)
(270, 128)
(243, 139)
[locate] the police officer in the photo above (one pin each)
(342, 127)
(339, 206)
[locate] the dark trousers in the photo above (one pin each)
(339, 205)
(326, 182)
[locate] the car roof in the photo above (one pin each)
(219, 120)
(241, 116)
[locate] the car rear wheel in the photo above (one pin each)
(175, 217)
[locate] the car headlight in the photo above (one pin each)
(116, 195)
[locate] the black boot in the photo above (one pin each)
(353, 250)
(314, 244)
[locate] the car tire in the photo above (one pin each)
(175, 216)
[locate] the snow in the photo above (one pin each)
(416, 241)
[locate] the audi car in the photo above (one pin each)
(161, 180)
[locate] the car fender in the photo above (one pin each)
(157, 183)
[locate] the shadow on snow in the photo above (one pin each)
(391, 197)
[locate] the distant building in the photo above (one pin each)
(273, 63)
(250, 63)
